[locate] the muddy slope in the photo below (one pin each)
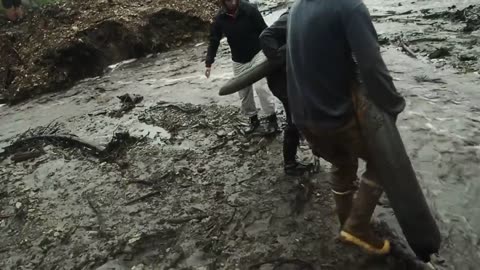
(61, 44)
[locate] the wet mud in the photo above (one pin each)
(190, 191)
(441, 32)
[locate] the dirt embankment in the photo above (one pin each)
(61, 44)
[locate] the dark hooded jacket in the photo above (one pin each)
(242, 32)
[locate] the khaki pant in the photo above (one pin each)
(246, 95)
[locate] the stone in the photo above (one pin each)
(114, 265)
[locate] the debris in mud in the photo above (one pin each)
(30, 144)
(56, 139)
(120, 142)
(175, 117)
(407, 50)
(425, 78)
(470, 15)
(439, 53)
(467, 57)
(23, 156)
(128, 103)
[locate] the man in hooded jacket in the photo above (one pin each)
(241, 23)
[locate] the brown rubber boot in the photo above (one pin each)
(343, 204)
(357, 229)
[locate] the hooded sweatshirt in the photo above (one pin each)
(241, 29)
(330, 45)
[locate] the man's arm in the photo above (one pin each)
(274, 38)
(215, 37)
(363, 41)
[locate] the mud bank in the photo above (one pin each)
(61, 44)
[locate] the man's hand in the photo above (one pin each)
(207, 72)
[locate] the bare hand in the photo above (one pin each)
(207, 72)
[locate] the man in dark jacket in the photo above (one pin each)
(242, 23)
(273, 40)
(329, 44)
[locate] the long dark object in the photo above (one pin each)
(96, 150)
(249, 77)
(390, 159)
(397, 176)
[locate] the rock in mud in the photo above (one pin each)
(439, 53)
(467, 57)
(128, 103)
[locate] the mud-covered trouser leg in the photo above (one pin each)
(343, 184)
(291, 136)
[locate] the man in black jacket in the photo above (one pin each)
(242, 23)
(329, 44)
(273, 40)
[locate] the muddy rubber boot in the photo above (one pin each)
(357, 229)
(343, 204)
(295, 168)
(272, 124)
(254, 124)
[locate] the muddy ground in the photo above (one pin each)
(189, 191)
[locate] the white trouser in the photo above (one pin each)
(246, 95)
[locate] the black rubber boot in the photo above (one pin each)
(291, 140)
(272, 124)
(254, 124)
(295, 168)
